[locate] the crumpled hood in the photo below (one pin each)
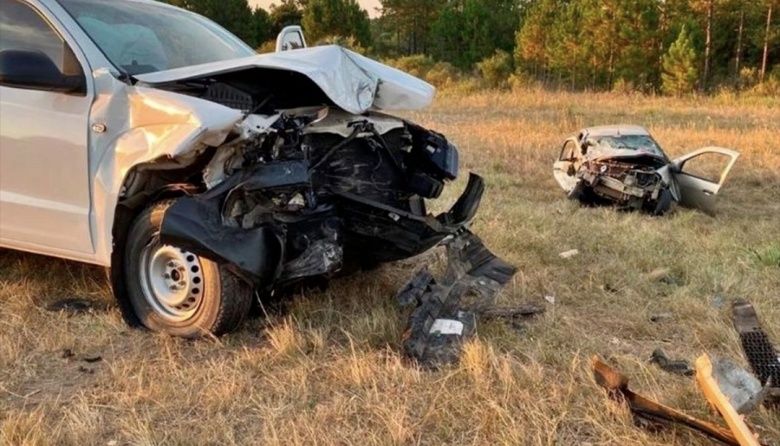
(353, 82)
(601, 153)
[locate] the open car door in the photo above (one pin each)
(290, 38)
(565, 168)
(701, 174)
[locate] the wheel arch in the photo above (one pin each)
(153, 187)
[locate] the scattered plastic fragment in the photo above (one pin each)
(550, 299)
(71, 306)
(675, 366)
(664, 275)
(661, 317)
(569, 254)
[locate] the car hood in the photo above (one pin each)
(353, 82)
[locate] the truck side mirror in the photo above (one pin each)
(34, 70)
(291, 38)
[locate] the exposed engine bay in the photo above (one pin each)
(628, 182)
(306, 192)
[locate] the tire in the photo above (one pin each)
(577, 193)
(583, 194)
(176, 292)
(664, 203)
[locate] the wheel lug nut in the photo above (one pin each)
(174, 288)
(166, 276)
(171, 264)
(182, 283)
(181, 268)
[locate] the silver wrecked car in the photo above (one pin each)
(624, 165)
(146, 138)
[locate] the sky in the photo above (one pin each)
(368, 5)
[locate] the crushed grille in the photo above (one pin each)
(758, 349)
(761, 356)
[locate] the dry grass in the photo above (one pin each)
(329, 370)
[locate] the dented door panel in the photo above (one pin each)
(565, 169)
(698, 192)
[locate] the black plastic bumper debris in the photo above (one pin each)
(442, 319)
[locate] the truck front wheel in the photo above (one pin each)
(174, 291)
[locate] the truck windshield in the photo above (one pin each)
(144, 37)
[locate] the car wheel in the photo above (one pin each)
(664, 202)
(584, 194)
(176, 292)
(577, 193)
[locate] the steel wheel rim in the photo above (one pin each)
(171, 281)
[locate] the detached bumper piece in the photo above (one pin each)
(443, 319)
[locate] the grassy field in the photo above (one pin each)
(329, 370)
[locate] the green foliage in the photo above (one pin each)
(417, 65)
(439, 74)
(269, 46)
(618, 45)
(768, 255)
(288, 12)
(407, 23)
(679, 67)
(234, 15)
(442, 75)
(467, 31)
(336, 18)
(346, 42)
(261, 27)
(496, 69)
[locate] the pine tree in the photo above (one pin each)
(679, 67)
(328, 19)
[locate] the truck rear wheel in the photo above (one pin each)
(174, 291)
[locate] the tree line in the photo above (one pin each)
(674, 46)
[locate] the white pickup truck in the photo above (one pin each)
(148, 139)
